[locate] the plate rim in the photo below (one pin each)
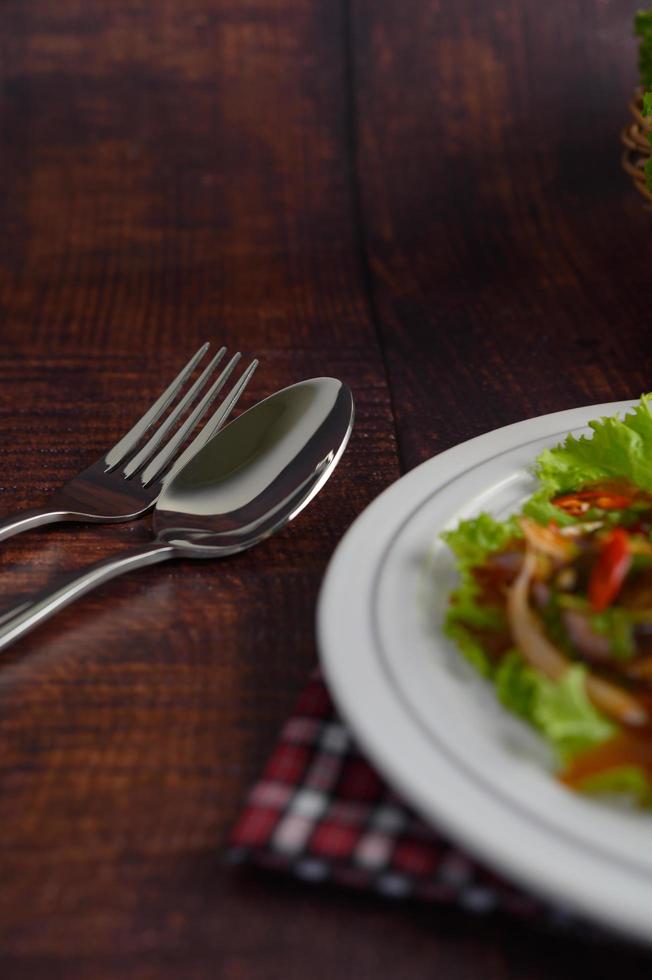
(391, 506)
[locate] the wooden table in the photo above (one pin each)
(421, 197)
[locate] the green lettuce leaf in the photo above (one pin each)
(648, 168)
(468, 645)
(471, 541)
(563, 713)
(643, 30)
(517, 685)
(617, 625)
(559, 710)
(630, 782)
(539, 508)
(617, 448)
(647, 103)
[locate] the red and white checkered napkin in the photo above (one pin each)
(322, 813)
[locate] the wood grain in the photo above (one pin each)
(509, 254)
(422, 198)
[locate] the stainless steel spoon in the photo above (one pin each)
(252, 478)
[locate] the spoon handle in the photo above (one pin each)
(29, 614)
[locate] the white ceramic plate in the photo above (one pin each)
(432, 725)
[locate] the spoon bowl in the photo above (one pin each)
(258, 472)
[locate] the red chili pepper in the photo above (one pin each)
(578, 503)
(610, 568)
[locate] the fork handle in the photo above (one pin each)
(46, 603)
(25, 520)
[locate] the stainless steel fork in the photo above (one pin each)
(126, 482)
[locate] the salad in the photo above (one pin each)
(554, 605)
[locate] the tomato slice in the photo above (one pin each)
(576, 504)
(610, 568)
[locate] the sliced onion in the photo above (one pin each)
(535, 646)
(544, 656)
(580, 530)
(615, 702)
(547, 540)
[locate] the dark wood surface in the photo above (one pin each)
(422, 197)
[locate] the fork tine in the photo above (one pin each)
(129, 441)
(168, 452)
(219, 416)
(147, 451)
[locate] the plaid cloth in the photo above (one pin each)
(322, 813)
